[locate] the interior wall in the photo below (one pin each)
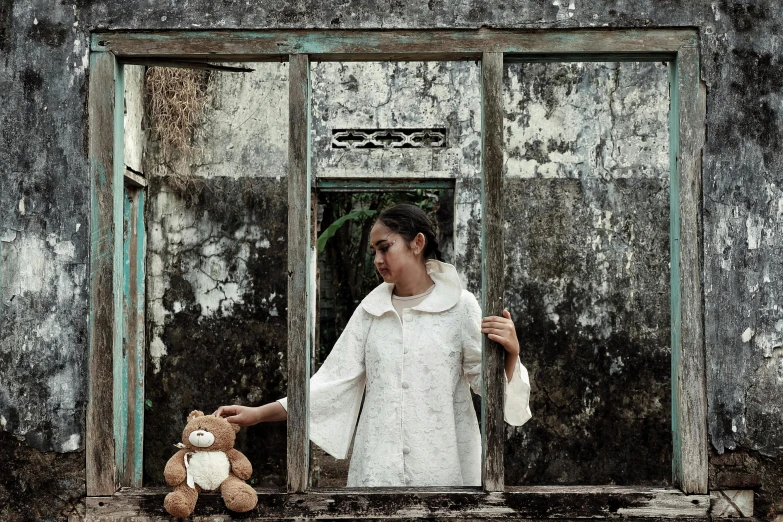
(45, 209)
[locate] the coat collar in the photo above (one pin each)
(447, 291)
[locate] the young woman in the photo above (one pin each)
(413, 348)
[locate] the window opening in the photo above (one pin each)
(686, 140)
(586, 202)
(346, 274)
(215, 160)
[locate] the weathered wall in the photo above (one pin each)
(587, 279)
(43, 50)
(405, 95)
(216, 269)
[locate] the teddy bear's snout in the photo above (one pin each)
(201, 439)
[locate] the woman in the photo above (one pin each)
(413, 346)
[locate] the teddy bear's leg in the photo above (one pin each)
(180, 502)
(238, 495)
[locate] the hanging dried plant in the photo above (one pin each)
(175, 103)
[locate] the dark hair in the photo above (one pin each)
(408, 220)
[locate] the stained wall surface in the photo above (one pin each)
(216, 268)
(45, 209)
(586, 228)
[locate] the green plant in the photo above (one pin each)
(332, 229)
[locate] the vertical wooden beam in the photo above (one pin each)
(299, 285)
(100, 467)
(492, 268)
(133, 354)
(689, 389)
(119, 361)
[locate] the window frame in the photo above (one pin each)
(113, 443)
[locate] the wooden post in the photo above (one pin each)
(689, 388)
(100, 467)
(299, 285)
(492, 268)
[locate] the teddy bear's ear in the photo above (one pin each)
(194, 414)
(236, 427)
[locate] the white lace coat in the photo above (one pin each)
(418, 425)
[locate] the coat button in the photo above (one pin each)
(406, 450)
(405, 384)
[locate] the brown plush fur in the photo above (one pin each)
(237, 494)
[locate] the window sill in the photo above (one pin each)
(534, 502)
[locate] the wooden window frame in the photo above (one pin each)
(113, 448)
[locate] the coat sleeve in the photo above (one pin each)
(516, 409)
(336, 389)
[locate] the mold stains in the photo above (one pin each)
(32, 82)
(576, 120)
(6, 27)
(48, 33)
(758, 77)
(217, 313)
(745, 15)
(51, 485)
(593, 328)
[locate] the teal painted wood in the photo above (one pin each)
(382, 184)
(99, 447)
(141, 281)
(674, 262)
(131, 416)
(426, 44)
(120, 365)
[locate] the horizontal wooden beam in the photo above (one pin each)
(183, 64)
(589, 57)
(429, 44)
(531, 503)
(378, 184)
(133, 179)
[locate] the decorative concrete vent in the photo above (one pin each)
(387, 138)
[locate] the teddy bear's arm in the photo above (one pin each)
(175, 472)
(239, 464)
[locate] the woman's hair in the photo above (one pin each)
(408, 220)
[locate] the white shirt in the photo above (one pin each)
(400, 303)
(418, 425)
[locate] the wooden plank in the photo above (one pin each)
(492, 268)
(134, 180)
(381, 184)
(589, 57)
(299, 284)
(536, 503)
(99, 444)
(414, 44)
(183, 64)
(133, 356)
(119, 363)
(689, 394)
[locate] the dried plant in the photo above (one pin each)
(175, 103)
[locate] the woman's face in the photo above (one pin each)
(391, 254)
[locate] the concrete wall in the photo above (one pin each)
(216, 269)
(587, 276)
(44, 212)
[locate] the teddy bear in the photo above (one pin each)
(207, 461)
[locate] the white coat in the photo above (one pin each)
(418, 425)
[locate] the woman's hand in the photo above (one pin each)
(248, 415)
(501, 330)
(242, 415)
